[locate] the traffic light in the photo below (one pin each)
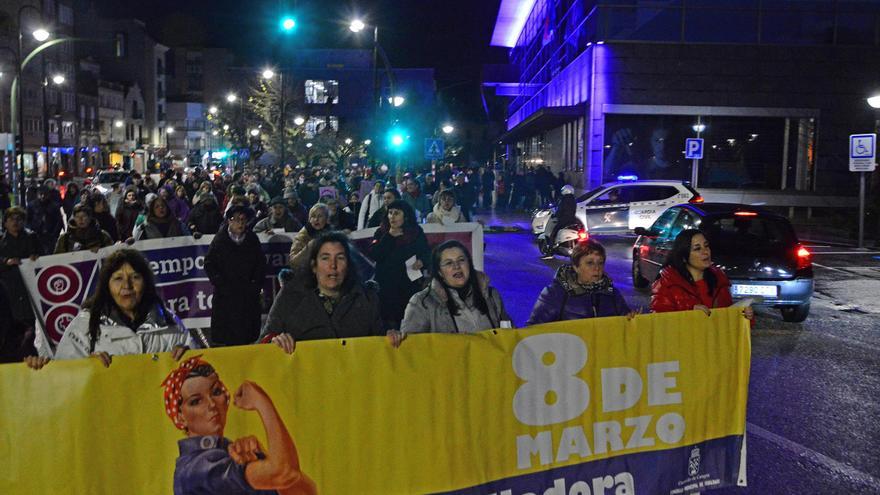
(288, 23)
(397, 138)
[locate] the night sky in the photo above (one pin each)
(451, 36)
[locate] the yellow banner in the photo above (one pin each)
(441, 413)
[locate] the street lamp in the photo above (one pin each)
(213, 110)
(308, 145)
(58, 79)
(397, 100)
(225, 127)
(288, 23)
(299, 120)
(874, 101)
(357, 26)
(367, 142)
(41, 35)
(255, 132)
(347, 140)
(231, 97)
(170, 130)
(268, 74)
(215, 132)
(448, 129)
(118, 124)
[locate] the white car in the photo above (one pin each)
(620, 207)
(105, 179)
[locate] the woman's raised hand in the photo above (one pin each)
(249, 396)
(749, 313)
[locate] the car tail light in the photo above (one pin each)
(61, 173)
(745, 214)
(583, 236)
(803, 257)
(88, 170)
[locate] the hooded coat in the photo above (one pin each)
(441, 216)
(427, 310)
(205, 216)
(76, 239)
(566, 299)
(671, 292)
(127, 214)
(151, 228)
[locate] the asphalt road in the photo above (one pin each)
(814, 392)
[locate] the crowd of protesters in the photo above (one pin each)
(323, 292)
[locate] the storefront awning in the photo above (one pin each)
(544, 119)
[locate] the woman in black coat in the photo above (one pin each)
(236, 266)
(395, 243)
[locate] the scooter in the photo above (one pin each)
(566, 238)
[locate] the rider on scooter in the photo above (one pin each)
(563, 217)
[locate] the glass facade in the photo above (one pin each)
(557, 31)
(739, 152)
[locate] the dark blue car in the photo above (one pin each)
(757, 249)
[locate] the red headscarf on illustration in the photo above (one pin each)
(174, 382)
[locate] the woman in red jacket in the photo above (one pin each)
(689, 280)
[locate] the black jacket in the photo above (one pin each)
(298, 310)
(25, 245)
(391, 254)
(237, 272)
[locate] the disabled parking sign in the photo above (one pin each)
(862, 152)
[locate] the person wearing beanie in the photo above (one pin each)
(295, 206)
(279, 219)
(236, 266)
(83, 232)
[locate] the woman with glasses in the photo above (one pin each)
(236, 266)
(458, 300)
(580, 290)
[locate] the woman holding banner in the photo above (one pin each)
(332, 303)
(197, 402)
(580, 290)
(689, 280)
(458, 300)
(124, 316)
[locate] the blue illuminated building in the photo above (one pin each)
(610, 88)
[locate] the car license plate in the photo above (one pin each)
(755, 290)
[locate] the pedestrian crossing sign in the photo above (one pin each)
(433, 149)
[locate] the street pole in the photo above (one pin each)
(283, 126)
(695, 170)
(377, 100)
(861, 210)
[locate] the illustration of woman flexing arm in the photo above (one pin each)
(197, 401)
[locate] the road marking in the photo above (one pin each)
(831, 268)
(845, 252)
(803, 452)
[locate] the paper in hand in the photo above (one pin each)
(411, 272)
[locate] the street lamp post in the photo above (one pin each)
(268, 74)
(357, 26)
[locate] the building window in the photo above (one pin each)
(317, 125)
(68, 102)
(121, 45)
(322, 91)
(67, 129)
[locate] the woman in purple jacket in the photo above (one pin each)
(580, 290)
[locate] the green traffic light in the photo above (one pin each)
(288, 23)
(397, 140)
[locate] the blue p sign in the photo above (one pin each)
(693, 148)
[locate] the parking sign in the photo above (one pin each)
(693, 148)
(862, 152)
